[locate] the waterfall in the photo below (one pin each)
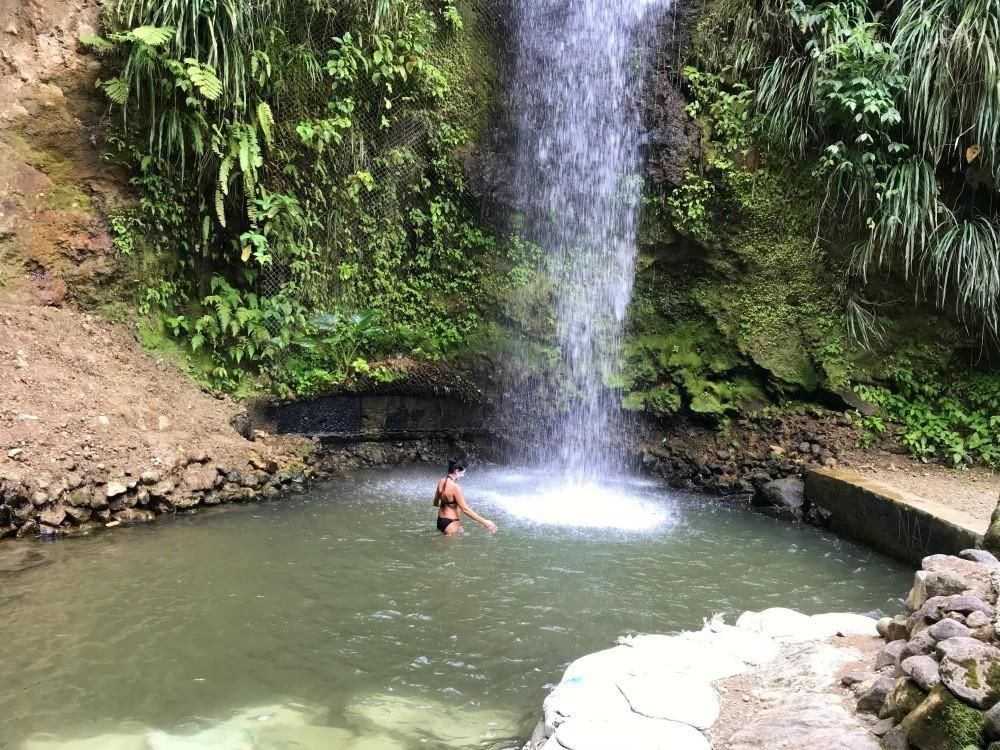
(573, 93)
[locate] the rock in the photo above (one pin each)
(992, 721)
(53, 516)
(630, 731)
(103, 421)
(920, 644)
(856, 677)
(114, 489)
(986, 634)
(14, 452)
(134, 515)
(979, 556)
(786, 494)
(971, 670)
(898, 629)
(806, 720)
(663, 696)
(905, 696)
(977, 619)
(78, 514)
(942, 722)
(947, 576)
(923, 669)
(267, 465)
(843, 624)
(918, 592)
(883, 726)
(150, 477)
(927, 614)
(883, 628)
(945, 629)
(895, 739)
(163, 424)
(243, 425)
(778, 623)
(889, 654)
(199, 478)
(161, 489)
(966, 604)
(873, 694)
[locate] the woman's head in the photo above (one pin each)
(455, 467)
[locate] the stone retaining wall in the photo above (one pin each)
(902, 526)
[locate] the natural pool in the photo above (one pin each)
(344, 600)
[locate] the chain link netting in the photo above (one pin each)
(365, 152)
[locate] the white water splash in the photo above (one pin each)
(578, 66)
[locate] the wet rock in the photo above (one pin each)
(199, 478)
(923, 669)
(979, 556)
(905, 696)
(969, 669)
(873, 694)
(787, 495)
(134, 515)
(253, 479)
(889, 654)
(856, 677)
(28, 528)
(945, 629)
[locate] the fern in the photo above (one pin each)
(154, 36)
(204, 78)
(265, 120)
(97, 43)
(116, 89)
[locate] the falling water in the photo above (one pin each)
(577, 68)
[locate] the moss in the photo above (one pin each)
(962, 725)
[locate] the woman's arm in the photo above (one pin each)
(485, 523)
(437, 496)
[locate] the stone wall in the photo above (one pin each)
(894, 523)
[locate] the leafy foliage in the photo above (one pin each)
(957, 421)
(901, 103)
(296, 166)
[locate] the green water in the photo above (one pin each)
(345, 597)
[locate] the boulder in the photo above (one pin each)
(905, 696)
(78, 514)
(966, 604)
(895, 739)
(161, 489)
(883, 628)
(971, 670)
(889, 654)
(992, 719)
(942, 722)
(927, 614)
(788, 495)
(979, 556)
(923, 669)
(856, 677)
(663, 696)
(803, 720)
(977, 620)
(150, 477)
(949, 575)
(898, 629)
(945, 629)
(114, 489)
(872, 694)
(921, 643)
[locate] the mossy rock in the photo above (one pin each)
(942, 722)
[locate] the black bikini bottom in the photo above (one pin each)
(444, 523)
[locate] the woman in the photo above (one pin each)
(451, 503)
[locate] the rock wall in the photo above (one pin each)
(54, 188)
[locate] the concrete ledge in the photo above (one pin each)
(895, 523)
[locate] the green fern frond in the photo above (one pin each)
(154, 36)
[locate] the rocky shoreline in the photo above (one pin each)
(87, 499)
(928, 679)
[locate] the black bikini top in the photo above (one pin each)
(446, 501)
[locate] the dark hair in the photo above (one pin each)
(455, 465)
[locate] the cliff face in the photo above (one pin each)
(54, 189)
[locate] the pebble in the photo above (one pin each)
(14, 452)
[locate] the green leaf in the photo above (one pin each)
(265, 119)
(154, 36)
(204, 78)
(116, 89)
(98, 43)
